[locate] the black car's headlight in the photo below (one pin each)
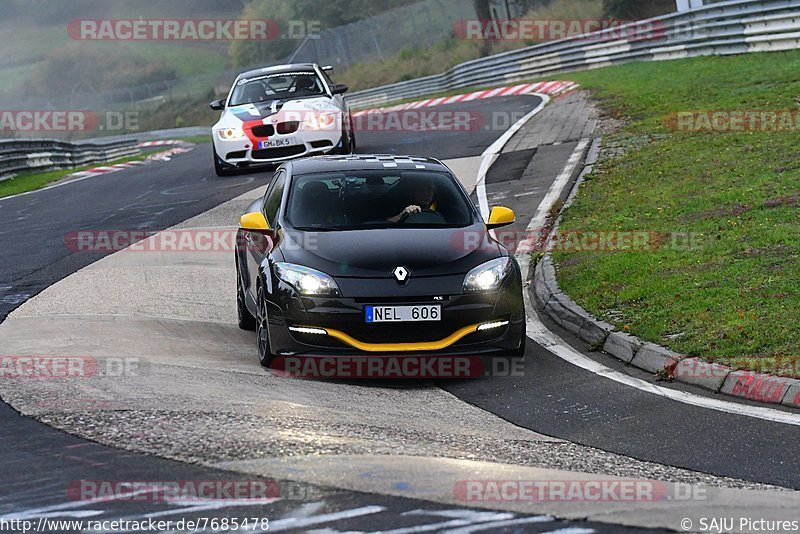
(307, 281)
(488, 276)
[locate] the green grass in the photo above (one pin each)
(197, 139)
(732, 296)
(31, 181)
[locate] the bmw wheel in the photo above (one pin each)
(218, 167)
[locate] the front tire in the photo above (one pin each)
(353, 146)
(262, 330)
(218, 167)
(348, 141)
(345, 149)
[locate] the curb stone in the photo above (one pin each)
(652, 357)
(655, 358)
(549, 299)
(622, 346)
(566, 311)
(757, 386)
(701, 373)
(792, 397)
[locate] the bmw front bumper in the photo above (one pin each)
(241, 153)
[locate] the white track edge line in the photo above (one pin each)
(551, 342)
(491, 154)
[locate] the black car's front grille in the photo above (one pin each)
(392, 300)
(267, 130)
(277, 153)
(405, 332)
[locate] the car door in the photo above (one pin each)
(259, 246)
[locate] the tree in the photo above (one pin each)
(328, 14)
(638, 9)
(247, 53)
(332, 13)
(483, 10)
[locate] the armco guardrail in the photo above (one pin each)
(731, 27)
(19, 155)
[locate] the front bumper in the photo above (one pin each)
(244, 152)
(337, 326)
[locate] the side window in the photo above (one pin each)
(272, 200)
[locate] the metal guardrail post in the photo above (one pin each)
(20, 155)
(717, 28)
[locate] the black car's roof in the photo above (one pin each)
(277, 69)
(360, 162)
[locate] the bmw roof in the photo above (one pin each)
(277, 69)
(364, 162)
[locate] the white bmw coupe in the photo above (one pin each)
(279, 113)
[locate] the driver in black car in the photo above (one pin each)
(422, 197)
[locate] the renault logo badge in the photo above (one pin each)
(401, 274)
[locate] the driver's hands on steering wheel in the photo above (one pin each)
(405, 213)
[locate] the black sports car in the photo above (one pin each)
(358, 255)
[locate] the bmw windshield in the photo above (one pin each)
(278, 86)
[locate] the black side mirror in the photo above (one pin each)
(339, 89)
(217, 105)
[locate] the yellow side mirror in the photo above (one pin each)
(254, 222)
(500, 216)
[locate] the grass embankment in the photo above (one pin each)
(732, 296)
(30, 181)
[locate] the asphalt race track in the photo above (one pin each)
(631, 432)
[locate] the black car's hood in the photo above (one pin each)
(376, 253)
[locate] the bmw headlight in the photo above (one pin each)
(487, 277)
(230, 134)
(322, 121)
(305, 280)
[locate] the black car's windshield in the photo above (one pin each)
(279, 86)
(362, 200)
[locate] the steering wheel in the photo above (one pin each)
(424, 216)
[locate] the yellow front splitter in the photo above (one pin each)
(401, 347)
